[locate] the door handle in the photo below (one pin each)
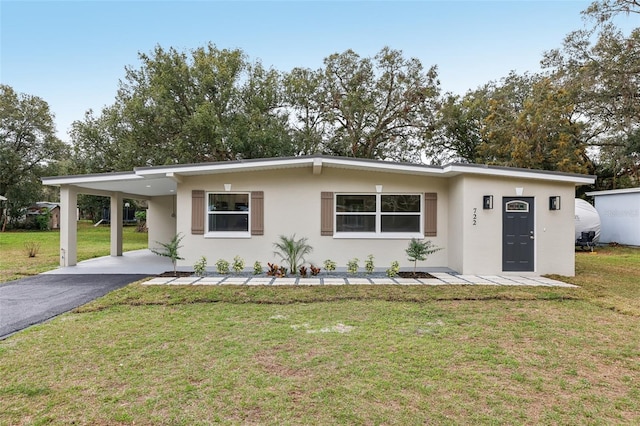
(531, 235)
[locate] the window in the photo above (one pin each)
(378, 214)
(517, 206)
(228, 213)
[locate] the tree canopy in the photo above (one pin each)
(580, 114)
(28, 148)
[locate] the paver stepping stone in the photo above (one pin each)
(309, 281)
(157, 281)
(334, 281)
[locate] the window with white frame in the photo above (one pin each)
(378, 214)
(228, 212)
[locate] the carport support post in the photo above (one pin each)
(68, 225)
(116, 224)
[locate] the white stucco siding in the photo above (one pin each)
(455, 209)
(481, 230)
(161, 220)
(292, 202)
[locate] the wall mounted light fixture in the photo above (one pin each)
(554, 202)
(378, 188)
(487, 202)
(227, 187)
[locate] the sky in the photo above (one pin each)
(73, 54)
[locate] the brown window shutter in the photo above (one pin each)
(326, 213)
(430, 214)
(197, 212)
(257, 213)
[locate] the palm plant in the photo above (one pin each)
(292, 251)
(171, 251)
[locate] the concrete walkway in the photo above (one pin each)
(441, 278)
(147, 263)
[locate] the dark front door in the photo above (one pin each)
(517, 234)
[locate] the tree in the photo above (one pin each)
(458, 131)
(304, 97)
(261, 128)
(603, 10)
(531, 124)
(207, 104)
(378, 108)
(599, 67)
(28, 148)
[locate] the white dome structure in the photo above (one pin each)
(587, 219)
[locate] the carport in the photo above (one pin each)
(158, 190)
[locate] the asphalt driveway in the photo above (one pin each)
(36, 299)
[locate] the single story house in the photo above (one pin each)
(619, 211)
(488, 220)
(42, 208)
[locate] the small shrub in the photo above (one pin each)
(329, 265)
(314, 270)
(303, 271)
(222, 266)
(141, 220)
(352, 266)
(419, 250)
(257, 268)
(200, 267)
(368, 264)
(32, 248)
(273, 270)
(43, 220)
(394, 269)
(238, 264)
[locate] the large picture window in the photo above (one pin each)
(228, 213)
(378, 214)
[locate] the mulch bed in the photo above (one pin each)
(417, 274)
(175, 274)
(403, 274)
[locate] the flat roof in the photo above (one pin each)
(614, 192)
(163, 180)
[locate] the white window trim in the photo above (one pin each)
(378, 215)
(227, 234)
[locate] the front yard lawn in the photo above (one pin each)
(338, 355)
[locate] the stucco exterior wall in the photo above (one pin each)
(161, 220)
(481, 230)
(292, 199)
(620, 218)
(455, 238)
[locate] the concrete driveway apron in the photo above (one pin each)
(36, 299)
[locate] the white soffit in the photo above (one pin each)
(128, 183)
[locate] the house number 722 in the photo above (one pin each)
(475, 216)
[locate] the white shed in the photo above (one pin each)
(619, 211)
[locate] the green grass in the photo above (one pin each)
(92, 242)
(184, 355)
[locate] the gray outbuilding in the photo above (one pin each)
(619, 211)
